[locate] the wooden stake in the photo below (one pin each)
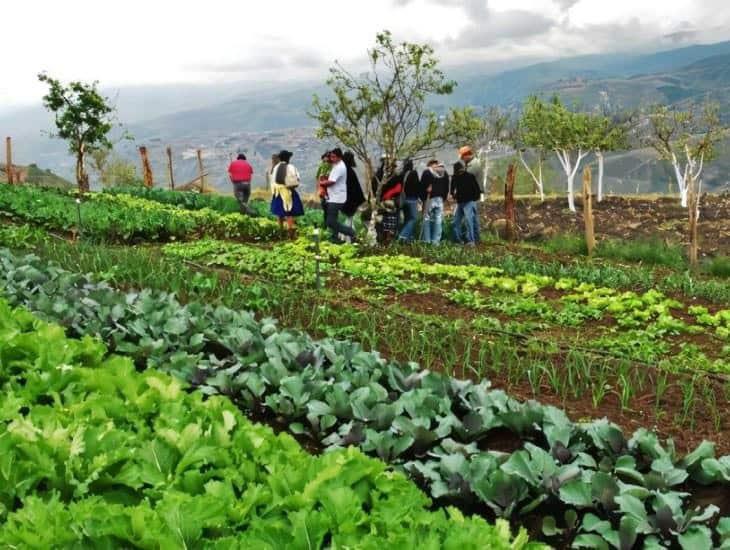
(694, 214)
(146, 168)
(588, 210)
(169, 168)
(9, 160)
(201, 174)
(509, 202)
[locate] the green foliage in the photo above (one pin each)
(83, 118)
(121, 218)
(385, 109)
(120, 173)
(428, 423)
(130, 459)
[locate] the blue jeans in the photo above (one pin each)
(468, 213)
(433, 221)
(410, 209)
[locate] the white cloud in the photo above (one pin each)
(166, 41)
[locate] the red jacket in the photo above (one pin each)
(240, 171)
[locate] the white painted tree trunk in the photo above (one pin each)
(599, 154)
(570, 171)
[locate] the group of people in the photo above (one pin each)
(340, 193)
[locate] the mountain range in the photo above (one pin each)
(222, 119)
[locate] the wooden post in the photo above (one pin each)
(588, 210)
(509, 202)
(146, 168)
(169, 168)
(693, 203)
(201, 174)
(9, 160)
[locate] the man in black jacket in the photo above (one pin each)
(434, 193)
(466, 191)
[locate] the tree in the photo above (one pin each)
(84, 118)
(486, 133)
(552, 126)
(609, 133)
(383, 111)
(687, 139)
(120, 173)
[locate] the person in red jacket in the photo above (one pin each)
(241, 172)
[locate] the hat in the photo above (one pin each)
(466, 150)
(285, 155)
(458, 167)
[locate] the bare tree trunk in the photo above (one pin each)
(9, 160)
(588, 210)
(146, 168)
(82, 178)
(694, 215)
(536, 179)
(169, 168)
(571, 192)
(509, 202)
(201, 174)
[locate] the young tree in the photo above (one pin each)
(609, 133)
(552, 126)
(383, 111)
(84, 118)
(687, 139)
(486, 133)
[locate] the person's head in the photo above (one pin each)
(458, 168)
(336, 154)
(349, 159)
(241, 156)
(407, 165)
(325, 156)
(274, 159)
(433, 163)
(466, 153)
(285, 156)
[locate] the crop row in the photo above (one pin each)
(639, 326)
(121, 218)
(95, 454)
(588, 482)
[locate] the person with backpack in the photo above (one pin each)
(285, 202)
(466, 192)
(409, 203)
(241, 172)
(434, 193)
(336, 185)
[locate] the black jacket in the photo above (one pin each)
(439, 185)
(465, 187)
(412, 187)
(355, 196)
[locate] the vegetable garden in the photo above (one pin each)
(422, 397)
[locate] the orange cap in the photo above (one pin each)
(466, 150)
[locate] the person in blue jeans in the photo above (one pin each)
(466, 192)
(434, 193)
(411, 196)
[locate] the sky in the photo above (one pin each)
(159, 41)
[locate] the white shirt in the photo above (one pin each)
(337, 192)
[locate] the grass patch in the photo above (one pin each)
(718, 266)
(651, 252)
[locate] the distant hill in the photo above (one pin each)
(224, 118)
(37, 176)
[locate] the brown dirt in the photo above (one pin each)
(625, 218)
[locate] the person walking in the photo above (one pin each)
(336, 185)
(434, 193)
(355, 196)
(465, 191)
(285, 202)
(241, 172)
(411, 196)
